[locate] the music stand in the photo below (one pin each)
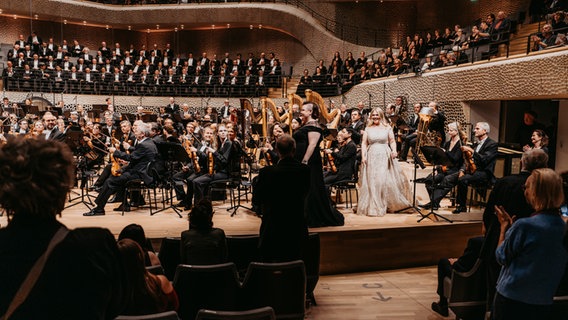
(73, 140)
(437, 157)
(170, 153)
(417, 162)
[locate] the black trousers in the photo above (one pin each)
(508, 309)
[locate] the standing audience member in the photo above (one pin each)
(508, 193)
(82, 277)
(135, 232)
(539, 140)
(531, 251)
(284, 231)
(202, 244)
(148, 293)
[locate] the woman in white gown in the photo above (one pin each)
(383, 185)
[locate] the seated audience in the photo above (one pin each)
(82, 276)
(148, 293)
(203, 244)
(135, 232)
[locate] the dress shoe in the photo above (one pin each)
(430, 206)
(459, 209)
(180, 204)
(137, 204)
(440, 309)
(95, 188)
(121, 208)
(94, 212)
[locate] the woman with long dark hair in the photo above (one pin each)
(148, 293)
(318, 207)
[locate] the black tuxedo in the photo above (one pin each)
(171, 109)
(143, 153)
(485, 162)
(284, 230)
(344, 161)
(358, 126)
(57, 135)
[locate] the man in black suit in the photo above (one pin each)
(172, 107)
(283, 231)
(483, 155)
(438, 122)
(410, 139)
(344, 157)
(143, 152)
(461, 264)
(51, 131)
(357, 123)
(508, 192)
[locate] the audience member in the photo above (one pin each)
(147, 293)
(508, 193)
(203, 244)
(79, 273)
(531, 251)
(284, 231)
(135, 232)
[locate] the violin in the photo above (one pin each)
(192, 154)
(116, 167)
(470, 166)
(211, 163)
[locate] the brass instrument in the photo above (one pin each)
(331, 117)
(425, 116)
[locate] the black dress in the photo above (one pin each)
(318, 208)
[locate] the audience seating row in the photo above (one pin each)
(243, 252)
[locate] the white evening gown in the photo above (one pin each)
(383, 186)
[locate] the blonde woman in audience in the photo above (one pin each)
(531, 252)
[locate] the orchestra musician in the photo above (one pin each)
(438, 121)
(478, 166)
(96, 147)
(344, 158)
(410, 139)
(144, 152)
(269, 149)
(126, 139)
(453, 151)
(221, 158)
(188, 173)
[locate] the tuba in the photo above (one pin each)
(425, 116)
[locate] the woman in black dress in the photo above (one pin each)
(318, 208)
